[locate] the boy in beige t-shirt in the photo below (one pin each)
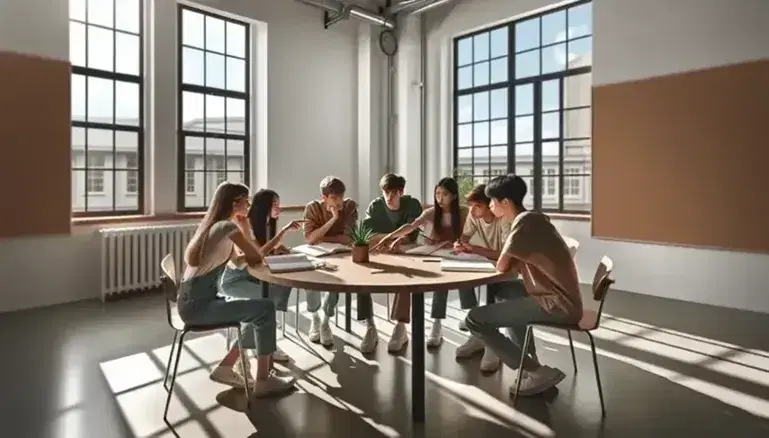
(549, 291)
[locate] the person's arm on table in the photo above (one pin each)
(314, 232)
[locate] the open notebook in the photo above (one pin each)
(289, 263)
(467, 266)
(321, 249)
(445, 253)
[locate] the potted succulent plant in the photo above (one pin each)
(360, 236)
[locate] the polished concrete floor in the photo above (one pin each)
(669, 368)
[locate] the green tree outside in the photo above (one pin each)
(466, 183)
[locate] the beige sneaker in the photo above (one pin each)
(435, 339)
(314, 333)
(399, 338)
(280, 356)
(536, 382)
(471, 347)
(230, 376)
(489, 362)
(370, 340)
(326, 335)
(274, 385)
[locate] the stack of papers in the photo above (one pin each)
(289, 263)
(321, 249)
(467, 266)
(446, 253)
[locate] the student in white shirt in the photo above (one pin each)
(210, 249)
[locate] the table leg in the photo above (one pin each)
(348, 312)
(418, 358)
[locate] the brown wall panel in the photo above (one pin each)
(684, 159)
(35, 141)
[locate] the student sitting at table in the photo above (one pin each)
(549, 291)
(384, 215)
(491, 231)
(328, 219)
(210, 249)
(237, 283)
(447, 218)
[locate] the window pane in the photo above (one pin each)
(577, 90)
(524, 129)
(481, 47)
(499, 70)
(464, 108)
(524, 99)
(481, 134)
(100, 12)
(126, 185)
(235, 154)
(77, 9)
(527, 64)
(499, 132)
(77, 43)
(99, 190)
(127, 54)
(581, 52)
(551, 95)
(236, 116)
(78, 147)
(465, 51)
(527, 35)
(192, 29)
(499, 41)
(214, 34)
(214, 70)
(100, 100)
(549, 191)
(236, 40)
(499, 103)
(78, 190)
(193, 70)
(551, 125)
(465, 135)
(481, 106)
(78, 97)
(481, 74)
(214, 113)
(551, 151)
(577, 123)
(127, 142)
(581, 20)
(465, 78)
(236, 74)
(498, 159)
(553, 58)
(193, 105)
(100, 48)
(127, 15)
(554, 28)
(126, 103)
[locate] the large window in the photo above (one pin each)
(107, 106)
(522, 104)
(214, 119)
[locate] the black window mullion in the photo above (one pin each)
(247, 121)
(511, 149)
(114, 105)
(561, 148)
(537, 170)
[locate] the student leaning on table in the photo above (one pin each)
(549, 291)
(210, 249)
(384, 215)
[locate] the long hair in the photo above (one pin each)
(220, 209)
(451, 186)
(262, 222)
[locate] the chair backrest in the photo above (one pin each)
(169, 284)
(573, 245)
(602, 281)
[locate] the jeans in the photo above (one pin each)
(365, 304)
(515, 312)
(401, 310)
(277, 293)
(198, 305)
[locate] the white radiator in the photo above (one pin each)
(130, 257)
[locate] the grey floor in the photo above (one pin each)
(668, 368)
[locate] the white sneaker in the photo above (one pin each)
(280, 356)
(314, 333)
(274, 385)
(462, 326)
(399, 338)
(370, 340)
(231, 376)
(539, 381)
(489, 362)
(435, 339)
(326, 336)
(472, 346)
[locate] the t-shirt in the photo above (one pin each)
(217, 249)
(447, 232)
(381, 220)
(493, 234)
(546, 265)
(316, 214)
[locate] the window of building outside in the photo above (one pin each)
(107, 106)
(522, 104)
(214, 117)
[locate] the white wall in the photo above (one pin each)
(633, 39)
(306, 124)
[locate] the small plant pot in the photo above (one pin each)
(360, 254)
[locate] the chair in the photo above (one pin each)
(170, 290)
(590, 321)
(572, 243)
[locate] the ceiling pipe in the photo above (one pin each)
(337, 11)
(429, 5)
(406, 4)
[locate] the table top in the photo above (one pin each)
(384, 273)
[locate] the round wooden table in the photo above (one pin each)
(387, 273)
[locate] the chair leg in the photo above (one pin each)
(573, 356)
(283, 323)
(387, 297)
(168, 364)
(296, 314)
(597, 374)
(525, 348)
(228, 340)
(243, 368)
(173, 379)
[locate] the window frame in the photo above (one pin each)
(85, 125)
(183, 134)
(536, 191)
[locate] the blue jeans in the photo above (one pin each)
(365, 304)
(198, 304)
(467, 300)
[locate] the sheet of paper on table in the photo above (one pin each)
(321, 249)
(290, 263)
(446, 253)
(467, 266)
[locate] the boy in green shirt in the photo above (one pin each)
(384, 215)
